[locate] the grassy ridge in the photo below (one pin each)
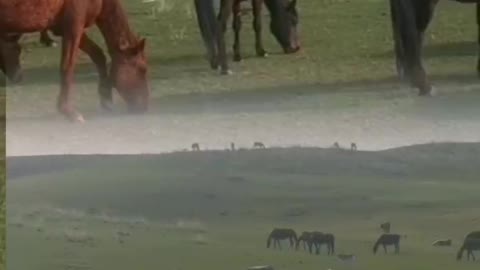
(213, 209)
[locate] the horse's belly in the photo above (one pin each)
(21, 16)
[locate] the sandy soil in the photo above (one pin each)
(374, 121)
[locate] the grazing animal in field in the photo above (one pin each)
(387, 240)
(318, 239)
(470, 244)
(279, 234)
(70, 20)
(353, 146)
(195, 147)
(258, 145)
(284, 20)
(213, 27)
(410, 19)
(336, 145)
(385, 227)
(442, 243)
(306, 239)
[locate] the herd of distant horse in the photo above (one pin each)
(316, 239)
(128, 72)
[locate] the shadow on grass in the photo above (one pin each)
(450, 49)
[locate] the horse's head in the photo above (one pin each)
(129, 76)
(283, 25)
(10, 60)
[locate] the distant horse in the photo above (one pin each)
(385, 227)
(70, 19)
(353, 146)
(284, 21)
(388, 240)
(195, 147)
(278, 234)
(471, 243)
(410, 19)
(258, 145)
(306, 239)
(213, 27)
(318, 239)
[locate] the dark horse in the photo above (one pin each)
(317, 239)
(213, 26)
(70, 19)
(388, 240)
(471, 243)
(281, 234)
(284, 21)
(410, 19)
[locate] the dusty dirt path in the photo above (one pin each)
(373, 121)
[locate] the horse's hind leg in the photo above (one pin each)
(98, 58)
(257, 26)
(237, 26)
(225, 10)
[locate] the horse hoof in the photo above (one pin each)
(226, 72)
(53, 45)
(237, 58)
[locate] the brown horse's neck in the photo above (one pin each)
(113, 24)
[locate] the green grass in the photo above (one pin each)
(345, 44)
(213, 210)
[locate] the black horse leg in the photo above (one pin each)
(257, 26)
(46, 40)
(226, 7)
(237, 26)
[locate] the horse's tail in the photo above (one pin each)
(207, 22)
(460, 252)
(405, 34)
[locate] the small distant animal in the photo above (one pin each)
(442, 243)
(387, 240)
(278, 234)
(385, 227)
(353, 146)
(195, 147)
(258, 145)
(232, 146)
(336, 145)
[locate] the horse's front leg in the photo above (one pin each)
(98, 58)
(257, 26)
(225, 10)
(237, 26)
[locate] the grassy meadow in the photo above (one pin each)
(214, 210)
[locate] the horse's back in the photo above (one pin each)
(28, 15)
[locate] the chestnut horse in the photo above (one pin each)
(213, 26)
(283, 25)
(70, 19)
(410, 19)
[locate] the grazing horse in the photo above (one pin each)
(278, 234)
(284, 21)
(471, 243)
(70, 19)
(318, 239)
(258, 145)
(410, 19)
(213, 27)
(388, 240)
(306, 238)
